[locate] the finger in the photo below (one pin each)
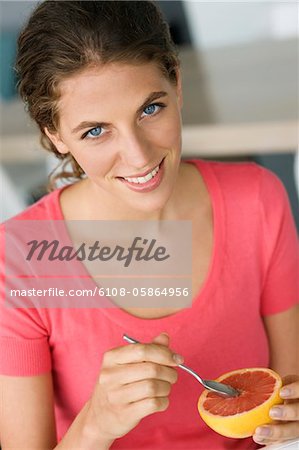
(140, 353)
(162, 339)
(289, 379)
(147, 406)
(141, 390)
(130, 373)
(290, 391)
(288, 411)
(271, 433)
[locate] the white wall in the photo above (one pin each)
(13, 14)
(213, 23)
(12, 200)
(221, 23)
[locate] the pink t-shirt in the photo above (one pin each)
(253, 272)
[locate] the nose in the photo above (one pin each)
(135, 149)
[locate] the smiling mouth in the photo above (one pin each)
(145, 178)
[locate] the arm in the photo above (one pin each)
(282, 330)
(27, 418)
(134, 382)
(27, 413)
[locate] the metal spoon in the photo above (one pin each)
(220, 388)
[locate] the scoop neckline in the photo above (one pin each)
(201, 299)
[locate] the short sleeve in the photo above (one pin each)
(279, 245)
(24, 347)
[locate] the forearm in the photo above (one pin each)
(83, 434)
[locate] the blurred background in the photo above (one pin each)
(240, 78)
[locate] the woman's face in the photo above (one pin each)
(122, 123)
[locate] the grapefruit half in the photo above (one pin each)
(238, 417)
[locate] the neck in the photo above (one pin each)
(113, 209)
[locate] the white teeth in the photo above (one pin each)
(141, 180)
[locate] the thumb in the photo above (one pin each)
(162, 339)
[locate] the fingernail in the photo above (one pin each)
(259, 440)
(263, 431)
(276, 413)
(285, 393)
(165, 334)
(177, 358)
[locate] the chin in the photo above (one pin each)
(149, 203)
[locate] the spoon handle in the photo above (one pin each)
(182, 366)
(187, 369)
(130, 340)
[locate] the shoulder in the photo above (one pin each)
(248, 190)
(47, 208)
(242, 176)
(232, 171)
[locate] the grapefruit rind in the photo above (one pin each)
(241, 425)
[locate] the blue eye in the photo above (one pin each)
(94, 132)
(152, 109)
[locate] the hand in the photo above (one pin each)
(286, 416)
(135, 381)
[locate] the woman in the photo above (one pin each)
(102, 81)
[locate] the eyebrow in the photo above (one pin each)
(151, 97)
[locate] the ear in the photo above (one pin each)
(57, 141)
(179, 87)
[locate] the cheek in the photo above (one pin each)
(176, 133)
(94, 160)
(168, 133)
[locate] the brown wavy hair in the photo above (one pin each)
(62, 38)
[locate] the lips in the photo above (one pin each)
(143, 179)
(132, 178)
(146, 182)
